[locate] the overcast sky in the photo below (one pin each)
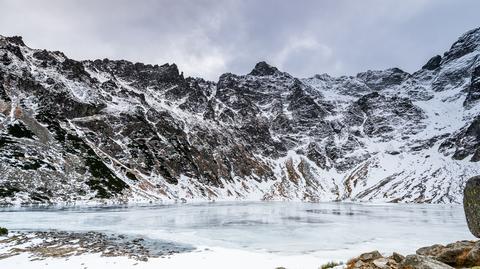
(207, 38)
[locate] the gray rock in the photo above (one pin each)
(471, 204)
(473, 257)
(433, 250)
(454, 253)
(370, 256)
(422, 262)
(381, 263)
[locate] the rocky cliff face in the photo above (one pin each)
(72, 132)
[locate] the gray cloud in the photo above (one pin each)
(206, 38)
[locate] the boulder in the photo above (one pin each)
(471, 204)
(422, 262)
(454, 254)
(364, 261)
(370, 256)
(458, 254)
(433, 250)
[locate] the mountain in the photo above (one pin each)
(104, 131)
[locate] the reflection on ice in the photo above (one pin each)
(333, 229)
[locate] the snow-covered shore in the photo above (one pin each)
(92, 250)
(82, 250)
(204, 259)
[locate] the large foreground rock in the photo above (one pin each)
(422, 262)
(458, 254)
(471, 204)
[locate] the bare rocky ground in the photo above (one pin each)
(461, 254)
(60, 244)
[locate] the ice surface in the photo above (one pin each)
(325, 231)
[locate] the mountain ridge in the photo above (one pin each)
(116, 131)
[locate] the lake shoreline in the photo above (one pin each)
(94, 250)
(238, 234)
(90, 250)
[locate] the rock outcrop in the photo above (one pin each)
(471, 204)
(461, 254)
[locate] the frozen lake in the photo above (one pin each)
(327, 231)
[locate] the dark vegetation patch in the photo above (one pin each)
(5, 141)
(19, 130)
(8, 190)
(39, 197)
(103, 180)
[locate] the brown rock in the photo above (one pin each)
(370, 256)
(358, 264)
(397, 257)
(456, 253)
(433, 250)
(367, 261)
(473, 257)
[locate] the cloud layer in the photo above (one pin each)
(207, 38)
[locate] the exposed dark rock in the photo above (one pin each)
(474, 88)
(433, 63)
(471, 204)
(380, 115)
(466, 142)
(380, 80)
(5, 60)
(15, 50)
(467, 43)
(303, 106)
(75, 70)
(17, 40)
(315, 154)
(263, 69)
(19, 130)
